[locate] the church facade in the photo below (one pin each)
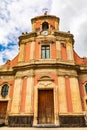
(46, 83)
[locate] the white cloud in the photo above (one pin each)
(1, 58)
(73, 18)
(15, 16)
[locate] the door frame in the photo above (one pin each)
(43, 85)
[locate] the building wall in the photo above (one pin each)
(64, 72)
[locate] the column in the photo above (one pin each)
(58, 50)
(68, 95)
(35, 121)
(33, 27)
(56, 25)
(23, 95)
(16, 96)
(53, 51)
(63, 52)
(32, 50)
(69, 49)
(29, 96)
(56, 105)
(62, 95)
(27, 52)
(21, 53)
(75, 95)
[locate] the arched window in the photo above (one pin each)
(86, 88)
(4, 91)
(45, 26)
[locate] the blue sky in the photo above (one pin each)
(15, 18)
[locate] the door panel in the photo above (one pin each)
(3, 109)
(45, 107)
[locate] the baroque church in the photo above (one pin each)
(46, 83)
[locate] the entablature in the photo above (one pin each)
(45, 17)
(49, 63)
(47, 40)
(66, 36)
(82, 69)
(6, 70)
(24, 73)
(6, 77)
(68, 74)
(27, 37)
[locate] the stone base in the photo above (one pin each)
(45, 126)
(72, 121)
(20, 121)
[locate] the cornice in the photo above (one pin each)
(7, 71)
(45, 17)
(64, 36)
(25, 41)
(37, 65)
(27, 37)
(10, 73)
(46, 65)
(23, 75)
(82, 69)
(58, 35)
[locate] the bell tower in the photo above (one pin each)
(45, 24)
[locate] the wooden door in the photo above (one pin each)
(45, 107)
(3, 109)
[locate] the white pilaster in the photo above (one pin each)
(29, 91)
(75, 94)
(16, 96)
(62, 95)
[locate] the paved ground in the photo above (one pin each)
(27, 128)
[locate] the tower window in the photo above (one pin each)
(86, 102)
(45, 51)
(4, 91)
(86, 88)
(45, 26)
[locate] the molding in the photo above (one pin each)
(24, 38)
(45, 17)
(64, 34)
(71, 114)
(46, 64)
(28, 35)
(46, 41)
(45, 78)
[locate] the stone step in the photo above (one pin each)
(46, 126)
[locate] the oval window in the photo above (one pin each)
(4, 91)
